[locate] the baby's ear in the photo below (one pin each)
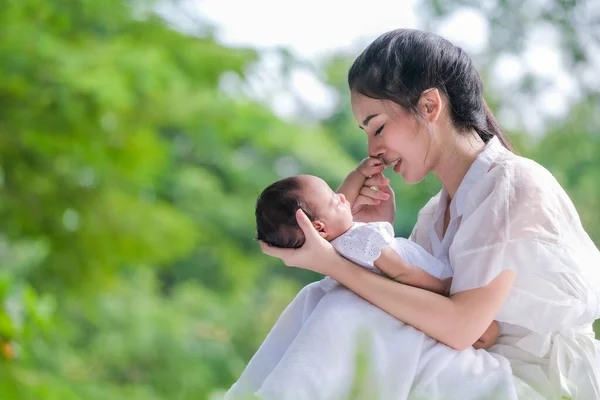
(320, 227)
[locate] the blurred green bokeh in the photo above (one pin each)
(128, 177)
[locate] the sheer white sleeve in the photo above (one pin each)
(522, 220)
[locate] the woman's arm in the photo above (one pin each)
(489, 337)
(457, 321)
(395, 267)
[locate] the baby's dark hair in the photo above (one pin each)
(276, 214)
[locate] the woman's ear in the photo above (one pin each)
(320, 227)
(430, 104)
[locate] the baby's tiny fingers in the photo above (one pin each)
(376, 170)
(375, 161)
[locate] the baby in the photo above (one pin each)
(370, 245)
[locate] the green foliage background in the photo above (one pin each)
(128, 177)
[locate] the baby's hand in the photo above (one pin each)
(370, 166)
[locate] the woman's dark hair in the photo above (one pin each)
(401, 64)
(276, 214)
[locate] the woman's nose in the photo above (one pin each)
(374, 151)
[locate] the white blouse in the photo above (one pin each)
(510, 213)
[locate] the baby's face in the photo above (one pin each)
(331, 208)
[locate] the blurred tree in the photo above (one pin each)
(130, 162)
(119, 151)
(549, 49)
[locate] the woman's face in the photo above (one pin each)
(396, 136)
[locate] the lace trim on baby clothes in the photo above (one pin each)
(364, 242)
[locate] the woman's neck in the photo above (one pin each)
(456, 155)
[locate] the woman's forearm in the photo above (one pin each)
(457, 321)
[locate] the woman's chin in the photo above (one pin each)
(411, 179)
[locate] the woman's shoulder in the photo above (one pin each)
(521, 170)
(522, 187)
(523, 177)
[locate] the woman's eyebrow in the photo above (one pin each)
(367, 120)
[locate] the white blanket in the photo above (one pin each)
(312, 350)
(330, 344)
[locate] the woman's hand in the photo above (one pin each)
(489, 337)
(375, 205)
(317, 254)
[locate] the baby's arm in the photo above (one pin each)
(390, 263)
(351, 186)
(355, 180)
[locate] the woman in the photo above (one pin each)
(509, 231)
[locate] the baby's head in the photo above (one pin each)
(276, 207)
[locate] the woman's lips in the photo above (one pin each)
(388, 163)
(395, 164)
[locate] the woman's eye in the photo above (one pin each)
(378, 131)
